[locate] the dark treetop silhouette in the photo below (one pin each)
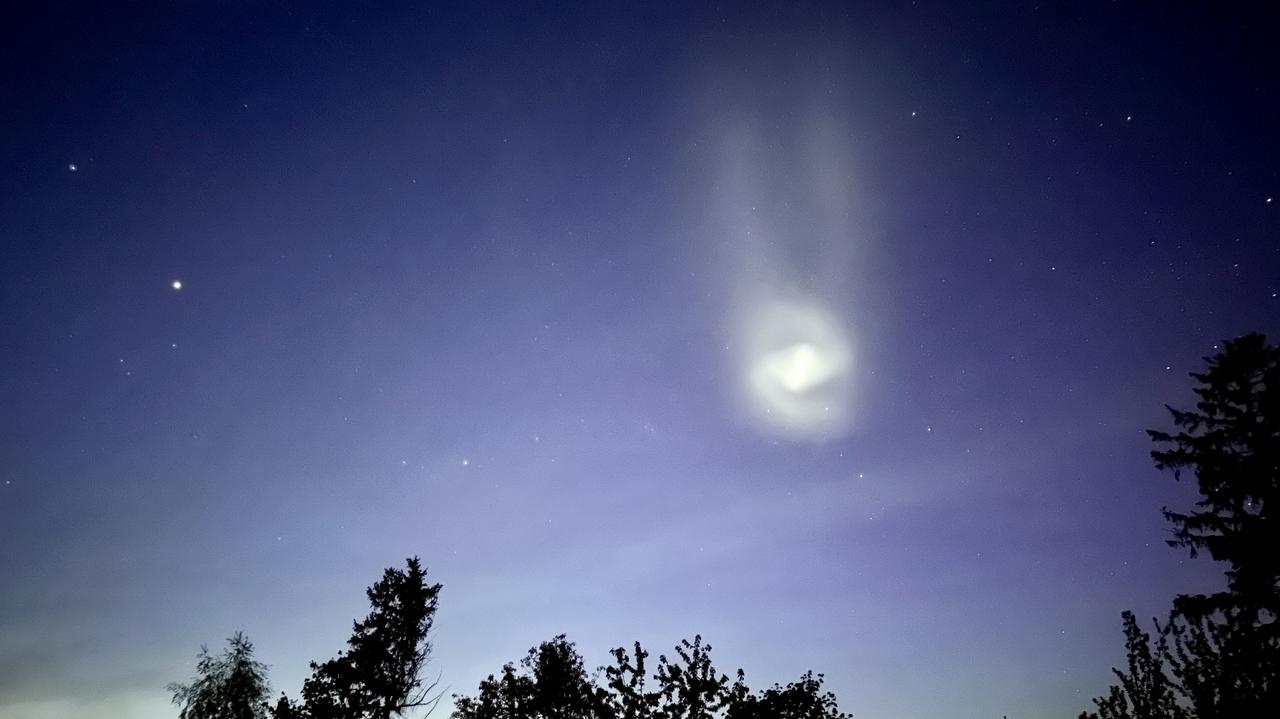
(379, 675)
(232, 685)
(1231, 443)
(551, 683)
(1218, 655)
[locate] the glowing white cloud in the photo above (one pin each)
(786, 205)
(795, 368)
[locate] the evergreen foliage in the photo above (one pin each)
(379, 674)
(1231, 443)
(1218, 656)
(232, 685)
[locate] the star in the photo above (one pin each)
(177, 284)
(72, 167)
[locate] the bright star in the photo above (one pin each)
(177, 284)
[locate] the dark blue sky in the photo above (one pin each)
(827, 332)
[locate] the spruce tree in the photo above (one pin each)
(379, 674)
(232, 685)
(1230, 443)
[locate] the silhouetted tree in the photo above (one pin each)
(1215, 667)
(379, 675)
(1224, 658)
(1225, 667)
(1231, 443)
(690, 688)
(551, 684)
(1146, 691)
(626, 681)
(286, 709)
(232, 685)
(509, 696)
(803, 699)
(561, 687)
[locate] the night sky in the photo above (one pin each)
(828, 333)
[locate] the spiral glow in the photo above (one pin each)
(785, 209)
(796, 366)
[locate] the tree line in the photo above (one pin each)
(1216, 656)
(379, 676)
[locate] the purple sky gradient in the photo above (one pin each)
(462, 283)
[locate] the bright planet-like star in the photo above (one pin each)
(177, 284)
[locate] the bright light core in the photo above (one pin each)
(796, 363)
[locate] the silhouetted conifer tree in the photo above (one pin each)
(379, 675)
(1224, 658)
(1231, 443)
(232, 685)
